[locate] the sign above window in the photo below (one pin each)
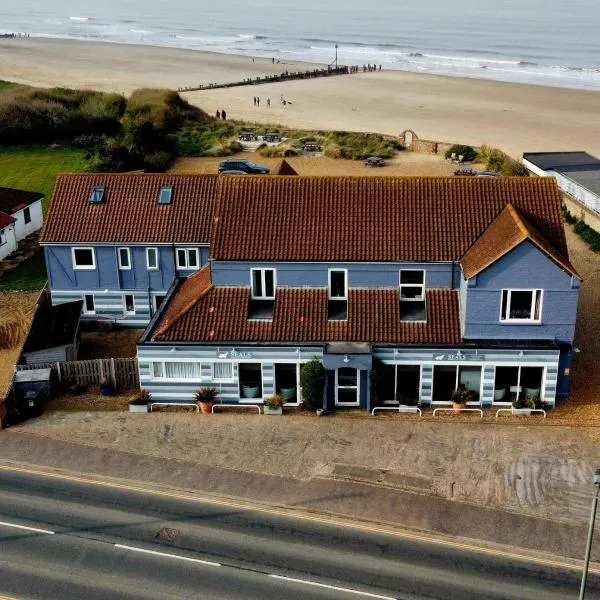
(233, 353)
(459, 356)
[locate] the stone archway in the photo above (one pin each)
(407, 138)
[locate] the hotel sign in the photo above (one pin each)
(233, 353)
(459, 356)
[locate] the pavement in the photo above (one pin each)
(369, 501)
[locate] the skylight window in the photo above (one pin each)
(97, 195)
(165, 195)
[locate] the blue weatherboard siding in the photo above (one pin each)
(525, 267)
(360, 275)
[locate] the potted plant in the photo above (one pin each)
(274, 405)
(460, 397)
(140, 402)
(522, 407)
(206, 397)
(105, 388)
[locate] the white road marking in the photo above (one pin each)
(332, 587)
(167, 555)
(27, 528)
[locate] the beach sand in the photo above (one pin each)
(516, 118)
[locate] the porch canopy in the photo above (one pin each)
(347, 354)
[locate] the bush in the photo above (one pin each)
(512, 168)
(569, 218)
(468, 153)
(589, 235)
(312, 379)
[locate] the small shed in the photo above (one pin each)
(54, 333)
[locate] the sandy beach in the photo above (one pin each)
(516, 118)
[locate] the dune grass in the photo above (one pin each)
(6, 85)
(35, 168)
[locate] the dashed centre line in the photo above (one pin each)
(34, 529)
(167, 555)
(332, 587)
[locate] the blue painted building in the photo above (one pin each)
(118, 241)
(433, 283)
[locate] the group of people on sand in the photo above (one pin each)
(282, 100)
(221, 114)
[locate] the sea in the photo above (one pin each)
(545, 42)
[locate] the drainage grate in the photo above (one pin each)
(168, 534)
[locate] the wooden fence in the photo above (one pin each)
(122, 373)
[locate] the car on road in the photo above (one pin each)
(247, 166)
(465, 172)
(488, 174)
(374, 161)
(232, 172)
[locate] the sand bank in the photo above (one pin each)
(514, 117)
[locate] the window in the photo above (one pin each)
(176, 370)
(84, 259)
(165, 196)
(511, 383)
(89, 306)
(412, 295)
(27, 215)
(187, 258)
(124, 259)
(447, 378)
(157, 300)
(2, 237)
(287, 381)
(346, 389)
(152, 258)
(399, 383)
(521, 306)
(250, 376)
(97, 195)
(129, 304)
(222, 371)
(263, 284)
(337, 295)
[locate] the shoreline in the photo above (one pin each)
(513, 116)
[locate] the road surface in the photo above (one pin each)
(69, 539)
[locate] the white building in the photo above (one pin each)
(577, 174)
(20, 216)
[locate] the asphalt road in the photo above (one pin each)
(73, 540)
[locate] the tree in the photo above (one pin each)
(312, 380)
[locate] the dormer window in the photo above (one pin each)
(521, 306)
(337, 297)
(262, 294)
(165, 196)
(97, 195)
(412, 295)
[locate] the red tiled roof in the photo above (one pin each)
(12, 200)
(373, 218)
(5, 220)
(507, 231)
(130, 212)
(300, 315)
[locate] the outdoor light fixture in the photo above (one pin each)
(346, 359)
(588, 550)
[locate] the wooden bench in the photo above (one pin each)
(272, 138)
(246, 136)
(257, 406)
(310, 147)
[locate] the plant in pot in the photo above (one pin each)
(460, 397)
(274, 405)
(105, 388)
(140, 401)
(206, 397)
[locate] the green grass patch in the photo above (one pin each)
(35, 168)
(30, 275)
(6, 85)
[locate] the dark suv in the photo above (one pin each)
(247, 166)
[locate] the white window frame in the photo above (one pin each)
(27, 215)
(469, 363)
(155, 308)
(148, 250)
(125, 311)
(77, 267)
(262, 281)
(345, 296)
(347, 387)
(123, 267)
(186, 266)
(542, 366)
(412, 285)
(84, 309)
(222, 379)
(532, 320)
(163, 376)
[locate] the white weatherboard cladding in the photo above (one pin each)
(488, 359)
(207, 355)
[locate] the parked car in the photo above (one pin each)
(247, 166)
(375, 161)
(465, 172)
(488, 174)
(233, 172)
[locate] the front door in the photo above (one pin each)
(346, 387)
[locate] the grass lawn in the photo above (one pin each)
(35, 168)
(5, 85)
(30, 275)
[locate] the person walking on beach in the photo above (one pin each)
(223, 115)
(268, 102)
(218, 115)
(257, 100)
(254, 100)
(281, 99)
